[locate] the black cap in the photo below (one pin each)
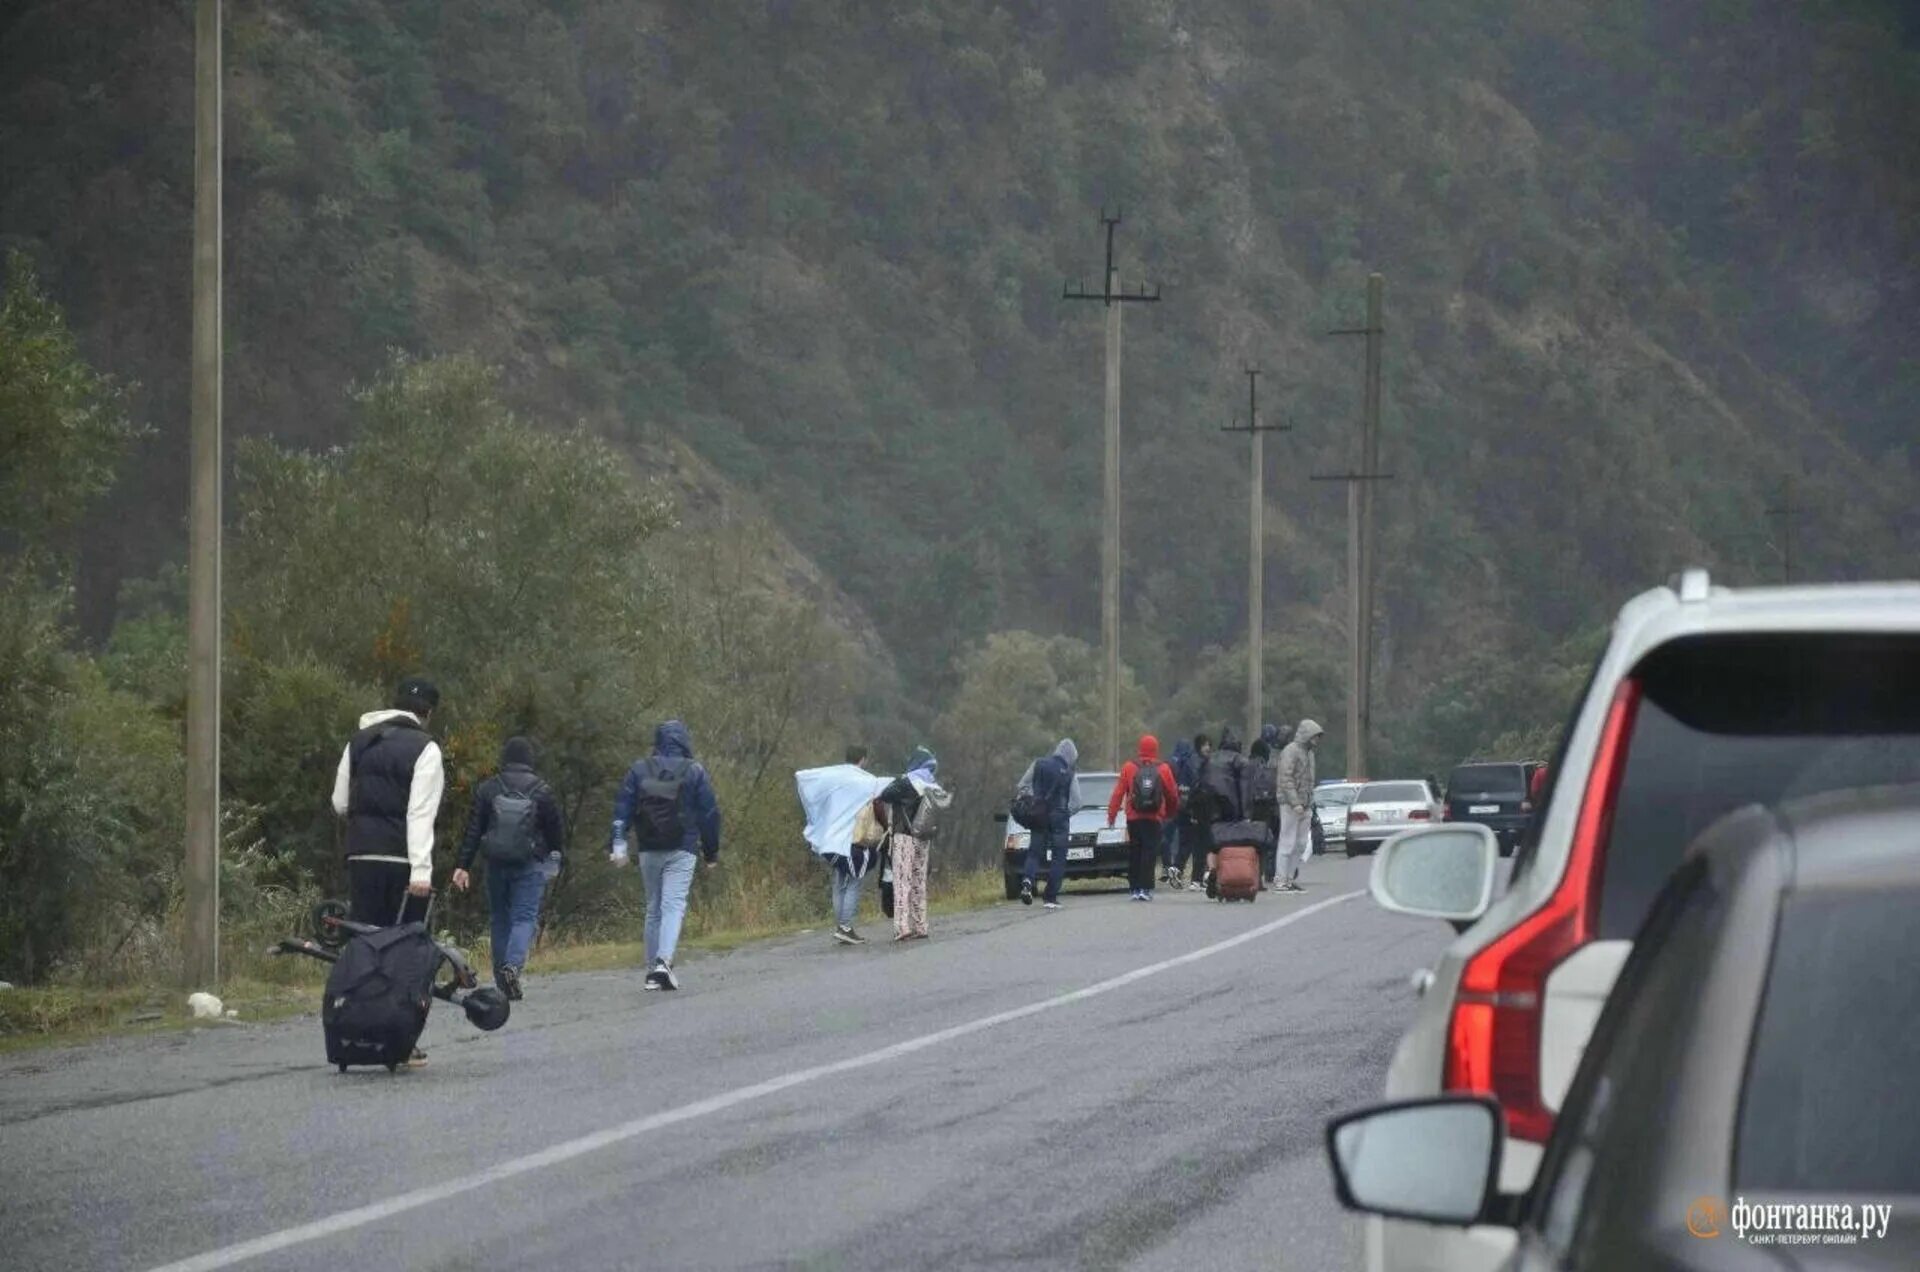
(416, 693)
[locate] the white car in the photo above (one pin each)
(1331, 801)
(1706, 699)
(1381, 810)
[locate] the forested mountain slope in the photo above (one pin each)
(1645, 259)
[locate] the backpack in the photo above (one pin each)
(514, 837)
(1148, 794)
(924, 825)
(657, 824)
(1220, 784)
(377, 996)
(1263, 792)
(867, 828)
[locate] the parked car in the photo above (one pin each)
(1493, 794)
(1331, 800)
(1381, 810)
(1094, 850)
(1705, 699)
(1757, 1049)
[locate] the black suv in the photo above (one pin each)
(1493, 794)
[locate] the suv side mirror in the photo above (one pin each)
(1436, 1160)
(1437, 872)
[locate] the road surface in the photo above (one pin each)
(1115, 1085)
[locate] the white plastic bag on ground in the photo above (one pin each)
(205, 1006)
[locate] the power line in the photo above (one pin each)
(1114, 298)
(1256, 566)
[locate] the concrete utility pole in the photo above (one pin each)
(1112, 297)
(1256, 557)
(1360, 551)
(201, 965)
(1785, 512)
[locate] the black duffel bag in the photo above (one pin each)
(378, 995)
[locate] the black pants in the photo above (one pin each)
(377, 892)
(1143, 851)
(1198, 844)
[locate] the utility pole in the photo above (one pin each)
(1256, 566)
(201, 965)
(1785, 512)
(1360, 550)
(1113, 298)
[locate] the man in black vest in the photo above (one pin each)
(388, 787)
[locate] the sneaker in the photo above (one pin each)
(1291, 886)
(664, 970)
(418, 1060)
(853, 938)
(508, 979)
(1147, 895)
(1026, 892)
(1196, 886)
(1051, 905)
(845, 936)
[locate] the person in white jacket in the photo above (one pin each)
(388, 787)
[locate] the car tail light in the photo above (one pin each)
(1420, 814)
(1493, 1039)
(1446, 812)
(1358, 817)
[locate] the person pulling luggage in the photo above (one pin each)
(1151, 795)
(517, 825)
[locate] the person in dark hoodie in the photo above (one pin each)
(1222, 794)
(1193, 824)
(1183, 766)
(1056, 781)
(667, 801)
(516, 822)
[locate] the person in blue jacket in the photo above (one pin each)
(1055, 779)
(668, 806)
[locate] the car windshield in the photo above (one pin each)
(1488, 781)
(1335, 796)
(1095, 788)
(1392, 793)
(1725, 722)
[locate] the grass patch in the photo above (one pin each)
(273, 989)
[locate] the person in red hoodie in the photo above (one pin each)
(1151, 796)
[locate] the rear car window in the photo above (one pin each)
(1730, 721)
(1393, 793)
(1488, 781)
(1831, 1102)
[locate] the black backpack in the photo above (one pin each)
(1263, 791)
(1148, 792)
(1220, 786)
(514, 837)
(657, 825)
(377, 996)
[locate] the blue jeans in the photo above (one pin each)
(1050, 846)
(668, 877)
(846, 892)
(1170, 843)
(513, 897)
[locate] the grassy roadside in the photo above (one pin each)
(59, 1015)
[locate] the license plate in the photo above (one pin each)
(1080, 854)
(1476, 809)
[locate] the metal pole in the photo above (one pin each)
(201, 965)
(1356, 663)
(1256, 566)
(1369, 463)
(1110, 551)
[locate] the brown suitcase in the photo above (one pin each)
(1236, 876)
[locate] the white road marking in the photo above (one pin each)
(361, 1216)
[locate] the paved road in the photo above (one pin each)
(1005, 1095)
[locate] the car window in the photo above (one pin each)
(1335, 796)
(1393, 793)
(1832, 1102)
(1488, 781)
(1593, 1159)
(1729, 721)
(1096, 789)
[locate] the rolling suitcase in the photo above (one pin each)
(1237, 875)
(378, 995)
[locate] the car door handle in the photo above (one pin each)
(1422, 980)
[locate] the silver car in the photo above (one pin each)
(1331, 802)
(1382, 810)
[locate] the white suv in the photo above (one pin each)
(1705, 700)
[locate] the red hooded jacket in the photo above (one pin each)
(1123, 789)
